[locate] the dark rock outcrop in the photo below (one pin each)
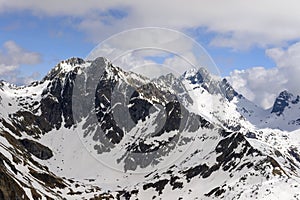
(284, 100)
(202, 78)
(38, 150)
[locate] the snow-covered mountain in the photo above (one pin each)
(90, 130)
(284, 114)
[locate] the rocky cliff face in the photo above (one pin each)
(201, 77)
(282, 101)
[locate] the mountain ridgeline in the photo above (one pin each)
(90, 130)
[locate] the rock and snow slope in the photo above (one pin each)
(90, 130)
(284, 114)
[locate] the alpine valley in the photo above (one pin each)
(90, 130)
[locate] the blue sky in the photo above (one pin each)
(51, 37)
(246, 40)
(55, 40)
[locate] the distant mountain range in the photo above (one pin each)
(90, 130)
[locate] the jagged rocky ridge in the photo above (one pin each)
(282, 101)
(283, 115)
(113, 110)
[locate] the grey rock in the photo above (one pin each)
(38, 150)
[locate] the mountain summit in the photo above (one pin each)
(284, 100)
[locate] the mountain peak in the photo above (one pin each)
(285, 94)
(283, 100)
(211, 83)
(74, 61)
(64, 67)
(197, 75)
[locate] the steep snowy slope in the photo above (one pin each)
(231, 110)
(225, 107)
(118, 135)
(21, 155)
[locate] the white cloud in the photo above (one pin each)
(182, 63)
(4, 69)
(175, 51)
(263, 85)
(158, 38)
(17, 79)
(12, 56)
(56, 7)
(237, 24)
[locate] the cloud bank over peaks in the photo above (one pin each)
(236, 24)
(12, 56)
(263, 85)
